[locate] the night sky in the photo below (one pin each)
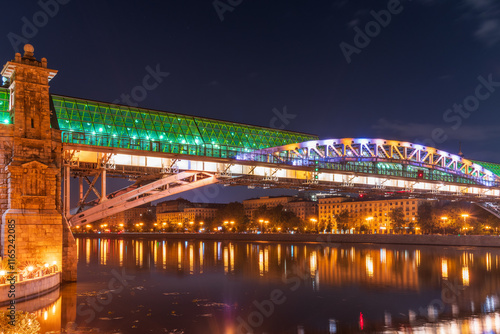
(243, 60)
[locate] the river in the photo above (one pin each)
(172, 286)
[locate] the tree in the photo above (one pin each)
(425, 218)
(278, 218)
(149, 218)
(235, 212)
(343, 219)
(397, 217)
(364, 227)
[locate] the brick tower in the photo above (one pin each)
(30, 169)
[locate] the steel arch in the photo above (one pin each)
(383, 150)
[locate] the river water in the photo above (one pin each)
(193, 286)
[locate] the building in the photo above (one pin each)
(200, 213)
(305, 210)
(374, 214)
(130, 216)
(251, 205)
(171, 218)
(182, 211)
(173, 205)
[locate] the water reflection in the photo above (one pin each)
(52, 310)
(206, 286)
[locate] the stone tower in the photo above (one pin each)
(30, 169)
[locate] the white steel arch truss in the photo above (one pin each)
(381, 150)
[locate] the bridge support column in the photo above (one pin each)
(32, 170)
(103, 186)
(67, 192)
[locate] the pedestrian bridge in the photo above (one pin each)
(167, 153)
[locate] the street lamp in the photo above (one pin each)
(465, 216)
(444, 219)
(369, 220)
(261, 221)
(266, 222)
(314, 221)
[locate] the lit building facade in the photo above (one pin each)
(182, 211)
(305, 210)
(251, 205)
(130, 216)
(373, 214)
(173, 205)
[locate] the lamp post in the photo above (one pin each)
(369, 220)
(261, 221)
(444, 219)
(266, 222)
(465, 216)
(314, 221)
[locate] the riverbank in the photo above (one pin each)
(404, 239)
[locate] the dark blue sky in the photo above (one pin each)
(271, 54)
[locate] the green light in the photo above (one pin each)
(88, 116)
(6, 121)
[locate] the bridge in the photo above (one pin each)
(55, 138)
(167, 153)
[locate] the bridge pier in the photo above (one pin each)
(30, 176)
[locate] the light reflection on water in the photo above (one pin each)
(224, 287)
(322, 284)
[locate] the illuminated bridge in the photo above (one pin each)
(167, 153)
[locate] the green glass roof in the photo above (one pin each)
(100, 118)
(495, 168)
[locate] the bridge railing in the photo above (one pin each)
(205, 150)
(375, 166)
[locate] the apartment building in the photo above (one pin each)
(251, 205)
(374, 214)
